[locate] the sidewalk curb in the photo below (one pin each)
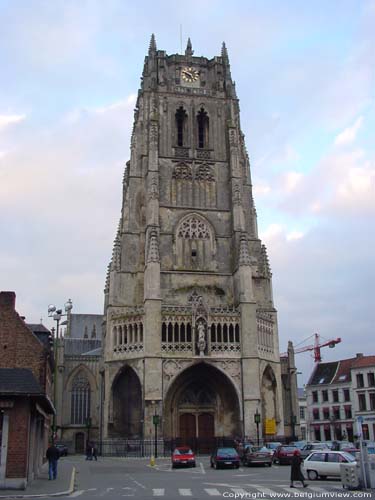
(47, 495)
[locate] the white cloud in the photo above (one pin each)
(348, 135)
(261, 188)
(292, 180)
(295, 235)
(6, 120)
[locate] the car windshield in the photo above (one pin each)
(348, 457)
(273, 446)
(289, 448)
(182, 451)
(227, 451)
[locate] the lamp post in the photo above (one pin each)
(57, 314)
(156, 421)
(257, 422)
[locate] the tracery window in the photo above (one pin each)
(80, 399)
(203, 122)
(194, 228)
(195, 244)
(181, 119)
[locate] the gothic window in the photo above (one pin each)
(86, 333)
(195, 244)
(181, 120)
(80, 399)
(182, 185)
(93, 332)
(203, 121)
(194, 228)
(176, 336)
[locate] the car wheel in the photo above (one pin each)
(275, 461)
(270, 464)
(312, 475)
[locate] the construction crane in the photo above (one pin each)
(315, 347)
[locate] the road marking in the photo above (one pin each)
(239, 491)
(318, 489)
(202, 468)
(265, 490)
(213, 492)
(158, 492)
(185, 492)
(77, 493)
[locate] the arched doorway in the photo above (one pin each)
(126, 418)
(269, 402)
(201, 404)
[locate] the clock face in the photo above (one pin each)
(189, 75)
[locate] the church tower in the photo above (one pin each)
(190, 325)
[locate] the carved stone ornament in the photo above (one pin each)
(201, 342)
(237, 196)
(153, 248)
(173, 367)
(153, 192)
(154, 132)
(204, 173)
(232, 368)
(232, 137)
(182, 171)
(244, 256)
(194, 228)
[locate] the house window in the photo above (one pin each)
(326, 413)
(335, 395)
(80, 399)
(325, 395)
(302, 413)
(372, 400)
(336, 413)
(362, 402)
(346, 395)
(371, 379)
(360, 382)
(316, 413)
(348, 412)
(315, 396)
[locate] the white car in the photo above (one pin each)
(325, 463)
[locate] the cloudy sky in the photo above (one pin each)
(70, 72)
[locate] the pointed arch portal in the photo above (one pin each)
(127, 405)
(201, 403)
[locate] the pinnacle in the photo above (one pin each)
(224, 53)
(152, 46)
(189, 48)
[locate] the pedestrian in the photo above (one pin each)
(94, 452)
(88, 451)
(52, 455)
(295, 471)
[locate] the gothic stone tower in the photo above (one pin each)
(191, 329)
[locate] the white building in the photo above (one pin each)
(337, 393)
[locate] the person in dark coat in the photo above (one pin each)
(295, 471)
(52, 455)
(88, 451)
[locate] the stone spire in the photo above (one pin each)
(189, 48)
(116, 253)
(265, 262)
(224, 54)
(152, 47)
(153, 249)
(244, 256)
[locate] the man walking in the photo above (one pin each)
(52, 455)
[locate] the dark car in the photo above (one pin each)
(63, 449)
(256, 455)
(284, 454)
(183, 457)
(225, 457)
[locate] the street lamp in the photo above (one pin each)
(57, 314)
(257, 422)
(156, 422)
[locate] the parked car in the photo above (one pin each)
(241, 447)
(225, 457)
(325, 463)
(284, 454)
(272, 446)
(310, 447)
(63, 449)
(298, 444)
(257, 455)
(183, 457)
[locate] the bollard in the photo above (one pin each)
(152, 460)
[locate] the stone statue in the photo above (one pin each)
(201, 339)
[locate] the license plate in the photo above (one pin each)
(228, 463)
(183, 462)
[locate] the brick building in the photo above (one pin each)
(26, 365)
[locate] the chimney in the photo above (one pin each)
(7, 301)
(359, 355)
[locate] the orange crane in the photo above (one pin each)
(315, 347)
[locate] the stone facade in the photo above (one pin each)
(190, 325)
